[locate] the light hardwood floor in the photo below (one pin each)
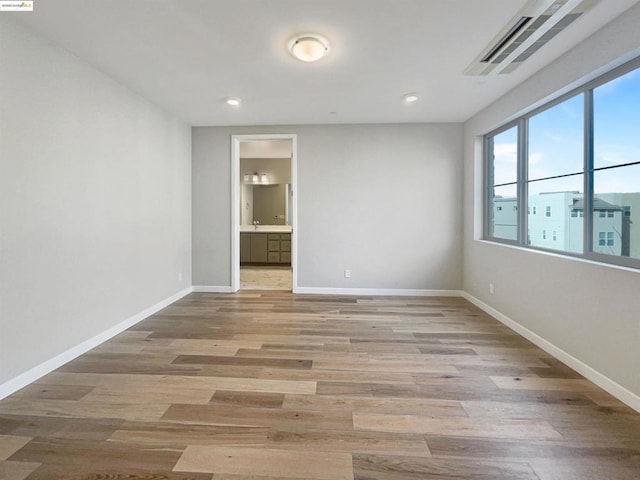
(270, 385)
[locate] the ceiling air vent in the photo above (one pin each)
(531, 28)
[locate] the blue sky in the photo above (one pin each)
(556, 141)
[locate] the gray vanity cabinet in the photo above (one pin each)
(260, 248)
(253, 248)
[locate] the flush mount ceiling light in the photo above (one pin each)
(309, 47)
(410, 98)
(233, 101)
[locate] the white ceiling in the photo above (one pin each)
(187, 56)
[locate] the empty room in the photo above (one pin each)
(337, 240)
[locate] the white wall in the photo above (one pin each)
(588, 310)
(94, 202)
(381, 200)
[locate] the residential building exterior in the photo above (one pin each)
(556, 219)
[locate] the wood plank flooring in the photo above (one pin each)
(269, 385)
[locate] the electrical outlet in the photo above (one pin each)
(347, 273)
(491, 288)
(179, 276)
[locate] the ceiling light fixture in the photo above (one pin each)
(233, 101)
(410, 97)
(255, 178)
(309, 47)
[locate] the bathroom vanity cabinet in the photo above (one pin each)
(265, 248)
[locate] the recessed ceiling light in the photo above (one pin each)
(309, 47)
(233, 101)
(410, 97)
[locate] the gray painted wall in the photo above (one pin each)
(94, 202)
(586, 309)
(381, 200)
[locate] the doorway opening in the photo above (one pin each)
(264, 213)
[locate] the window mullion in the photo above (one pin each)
(588, 173)
(488, 187)
(523, 174)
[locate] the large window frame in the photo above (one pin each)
(522, 201)
(489, 182)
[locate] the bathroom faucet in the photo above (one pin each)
(256, 223)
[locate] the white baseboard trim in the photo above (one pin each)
(48, 366)
(212, 289)
(604, 382)
(379, 291)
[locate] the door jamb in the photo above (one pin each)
(235, 204)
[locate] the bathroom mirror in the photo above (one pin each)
(265, 191)
(266, 204)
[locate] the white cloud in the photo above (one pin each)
(505, 152)
(616, 154)
(535, 158)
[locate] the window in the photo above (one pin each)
(555, 163)
(502, 150)
(616, 160)
(580, 153)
